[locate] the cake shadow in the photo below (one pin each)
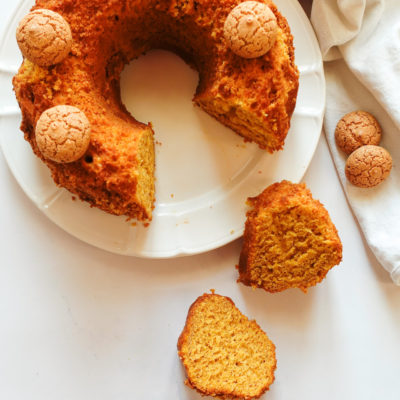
(280, 313)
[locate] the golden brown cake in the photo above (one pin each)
(254, 97)
(289, 240)
(225, 355)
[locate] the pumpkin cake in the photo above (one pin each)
(289, 240)
(225, 354)
(253, 96)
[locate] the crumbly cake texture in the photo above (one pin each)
(357, 129)
(368, 166)
(225, 355)
(289, 240)
(254, 97)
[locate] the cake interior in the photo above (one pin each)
(145, 171)
(224, 352)
(291, 244)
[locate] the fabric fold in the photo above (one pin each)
(360, 42)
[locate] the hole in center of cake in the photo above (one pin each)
(195, 154)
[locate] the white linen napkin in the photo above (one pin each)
(360, 42)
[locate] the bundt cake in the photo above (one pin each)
(224, 354)
(253, 96)
(289, 240)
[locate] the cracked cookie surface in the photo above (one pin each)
(250, 29)
(368, 166)
(44, 37)
(63, 134)
(356, 129)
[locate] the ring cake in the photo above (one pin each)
(95, 39)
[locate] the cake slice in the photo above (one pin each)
(224, 353)
(289, 240)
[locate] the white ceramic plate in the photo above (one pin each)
(204, 171)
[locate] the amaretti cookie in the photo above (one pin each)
(356, 129)
(44, 37)
(251, 29)
(63, 134)
(368, 166)
(289, 240)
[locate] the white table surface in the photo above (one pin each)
(71, 326)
